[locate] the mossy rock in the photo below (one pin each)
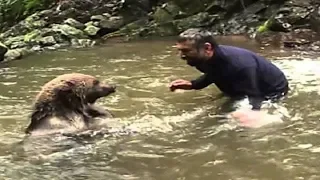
(68, 31)
(31, 36)
(197, 20)
(14, 42)
(114, 22)
(91, 30)
(34, 21)
(160, 30)
(192, 6)
(129, 29)
(166, 13)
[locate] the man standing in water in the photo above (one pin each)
(235, 71)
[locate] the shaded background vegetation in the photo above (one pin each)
(12, 11)
(27, 26)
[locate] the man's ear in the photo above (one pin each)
(208, 46)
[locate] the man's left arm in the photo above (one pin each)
(248, 83)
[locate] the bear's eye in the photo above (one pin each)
(96, 82)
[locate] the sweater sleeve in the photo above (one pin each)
(202, 82)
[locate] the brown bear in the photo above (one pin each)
(66, 104)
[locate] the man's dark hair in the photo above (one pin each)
(199, 36)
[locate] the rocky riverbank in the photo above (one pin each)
(83, 23)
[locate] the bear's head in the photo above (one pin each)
(73, 90)
(68, 97)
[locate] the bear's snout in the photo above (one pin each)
(109, 88)
(98, 91)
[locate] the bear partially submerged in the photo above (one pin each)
(66, 104)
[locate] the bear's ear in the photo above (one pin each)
(70, 84)
(67, 88)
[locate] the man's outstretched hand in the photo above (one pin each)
(180, 84)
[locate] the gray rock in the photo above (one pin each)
(13, 54)
(19, 44)
(96, 23)
(315, 19)
(74, 23)
(167, 12)
(197, 20)
(291, 15)
(16, 53)
(98, 18)
(78, 43)
(114, 22)
(47, 41)
(36, 48)
(107, 15)
(45, 13)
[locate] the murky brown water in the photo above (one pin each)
(177, 135)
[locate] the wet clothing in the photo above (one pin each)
(239, 72)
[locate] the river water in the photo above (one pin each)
(178, 136)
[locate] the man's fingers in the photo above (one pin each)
(179, 84)
(176, 82)
(175, 86)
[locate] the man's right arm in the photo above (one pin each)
(202, 82)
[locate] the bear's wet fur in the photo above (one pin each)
(66, 103)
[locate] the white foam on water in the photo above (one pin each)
(152, 123)
(270, 113)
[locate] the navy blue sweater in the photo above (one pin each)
(239, 72)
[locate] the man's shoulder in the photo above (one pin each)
(235, 49)
(240, 59)
(241, 54)
(237, 57)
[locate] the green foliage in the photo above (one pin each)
(12, 11)
(264, 27)
(33, 5)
